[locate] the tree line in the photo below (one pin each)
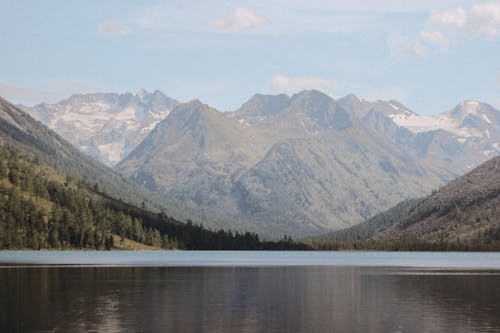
(41, 209)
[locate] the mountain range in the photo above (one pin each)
(300, 165)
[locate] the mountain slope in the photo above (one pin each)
(467, 209)
(296, 165)
(369, 228)
(105, 126)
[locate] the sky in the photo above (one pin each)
(430, 55)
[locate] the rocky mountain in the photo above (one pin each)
(106, 126)
(454, 141)
(298, 165)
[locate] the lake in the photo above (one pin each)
(237, 291)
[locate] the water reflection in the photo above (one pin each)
(246, 299)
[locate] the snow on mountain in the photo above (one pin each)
(466, 120)
(106, 126)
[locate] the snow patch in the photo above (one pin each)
(393, 106)
(156, 119)
(486, 119)
(418, 124)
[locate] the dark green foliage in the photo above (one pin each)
(36, 213)
(408, 244)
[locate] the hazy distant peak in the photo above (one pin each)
(352, 98)
(263, 106)
(195, 103)
(192, 108)
(470, 113)
(265, 96)
(471, 107)
(311, 93)
(141, 93)
(353, 104)
(312, 101)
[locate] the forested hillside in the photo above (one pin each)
(41, 209)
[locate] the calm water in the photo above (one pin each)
(249, 292)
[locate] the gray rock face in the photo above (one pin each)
(105, 126)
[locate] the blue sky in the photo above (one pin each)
(429, 55)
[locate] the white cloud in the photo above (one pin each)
(113, 28)
(498, 79)
(291, 85)
(242, 19)
(379, 6)
(435, 38)
(456, 17)
(51, 93)
(480, 20)
(403, 47)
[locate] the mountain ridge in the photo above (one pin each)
(261, 177)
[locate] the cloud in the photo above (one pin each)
(53, 92)
(403, 47)
(113, 28)
(480, 20)
(498, 79)
(242, 19)
(379, 6)
(435, 38)
(291, 85)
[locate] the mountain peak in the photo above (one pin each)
(310, 93)
(192, 108)
(195, 103)
(141, 92)
(468, 107)
(475, 109)
(261, 106)
(352, 97)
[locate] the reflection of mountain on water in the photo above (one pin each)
(251, 299)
